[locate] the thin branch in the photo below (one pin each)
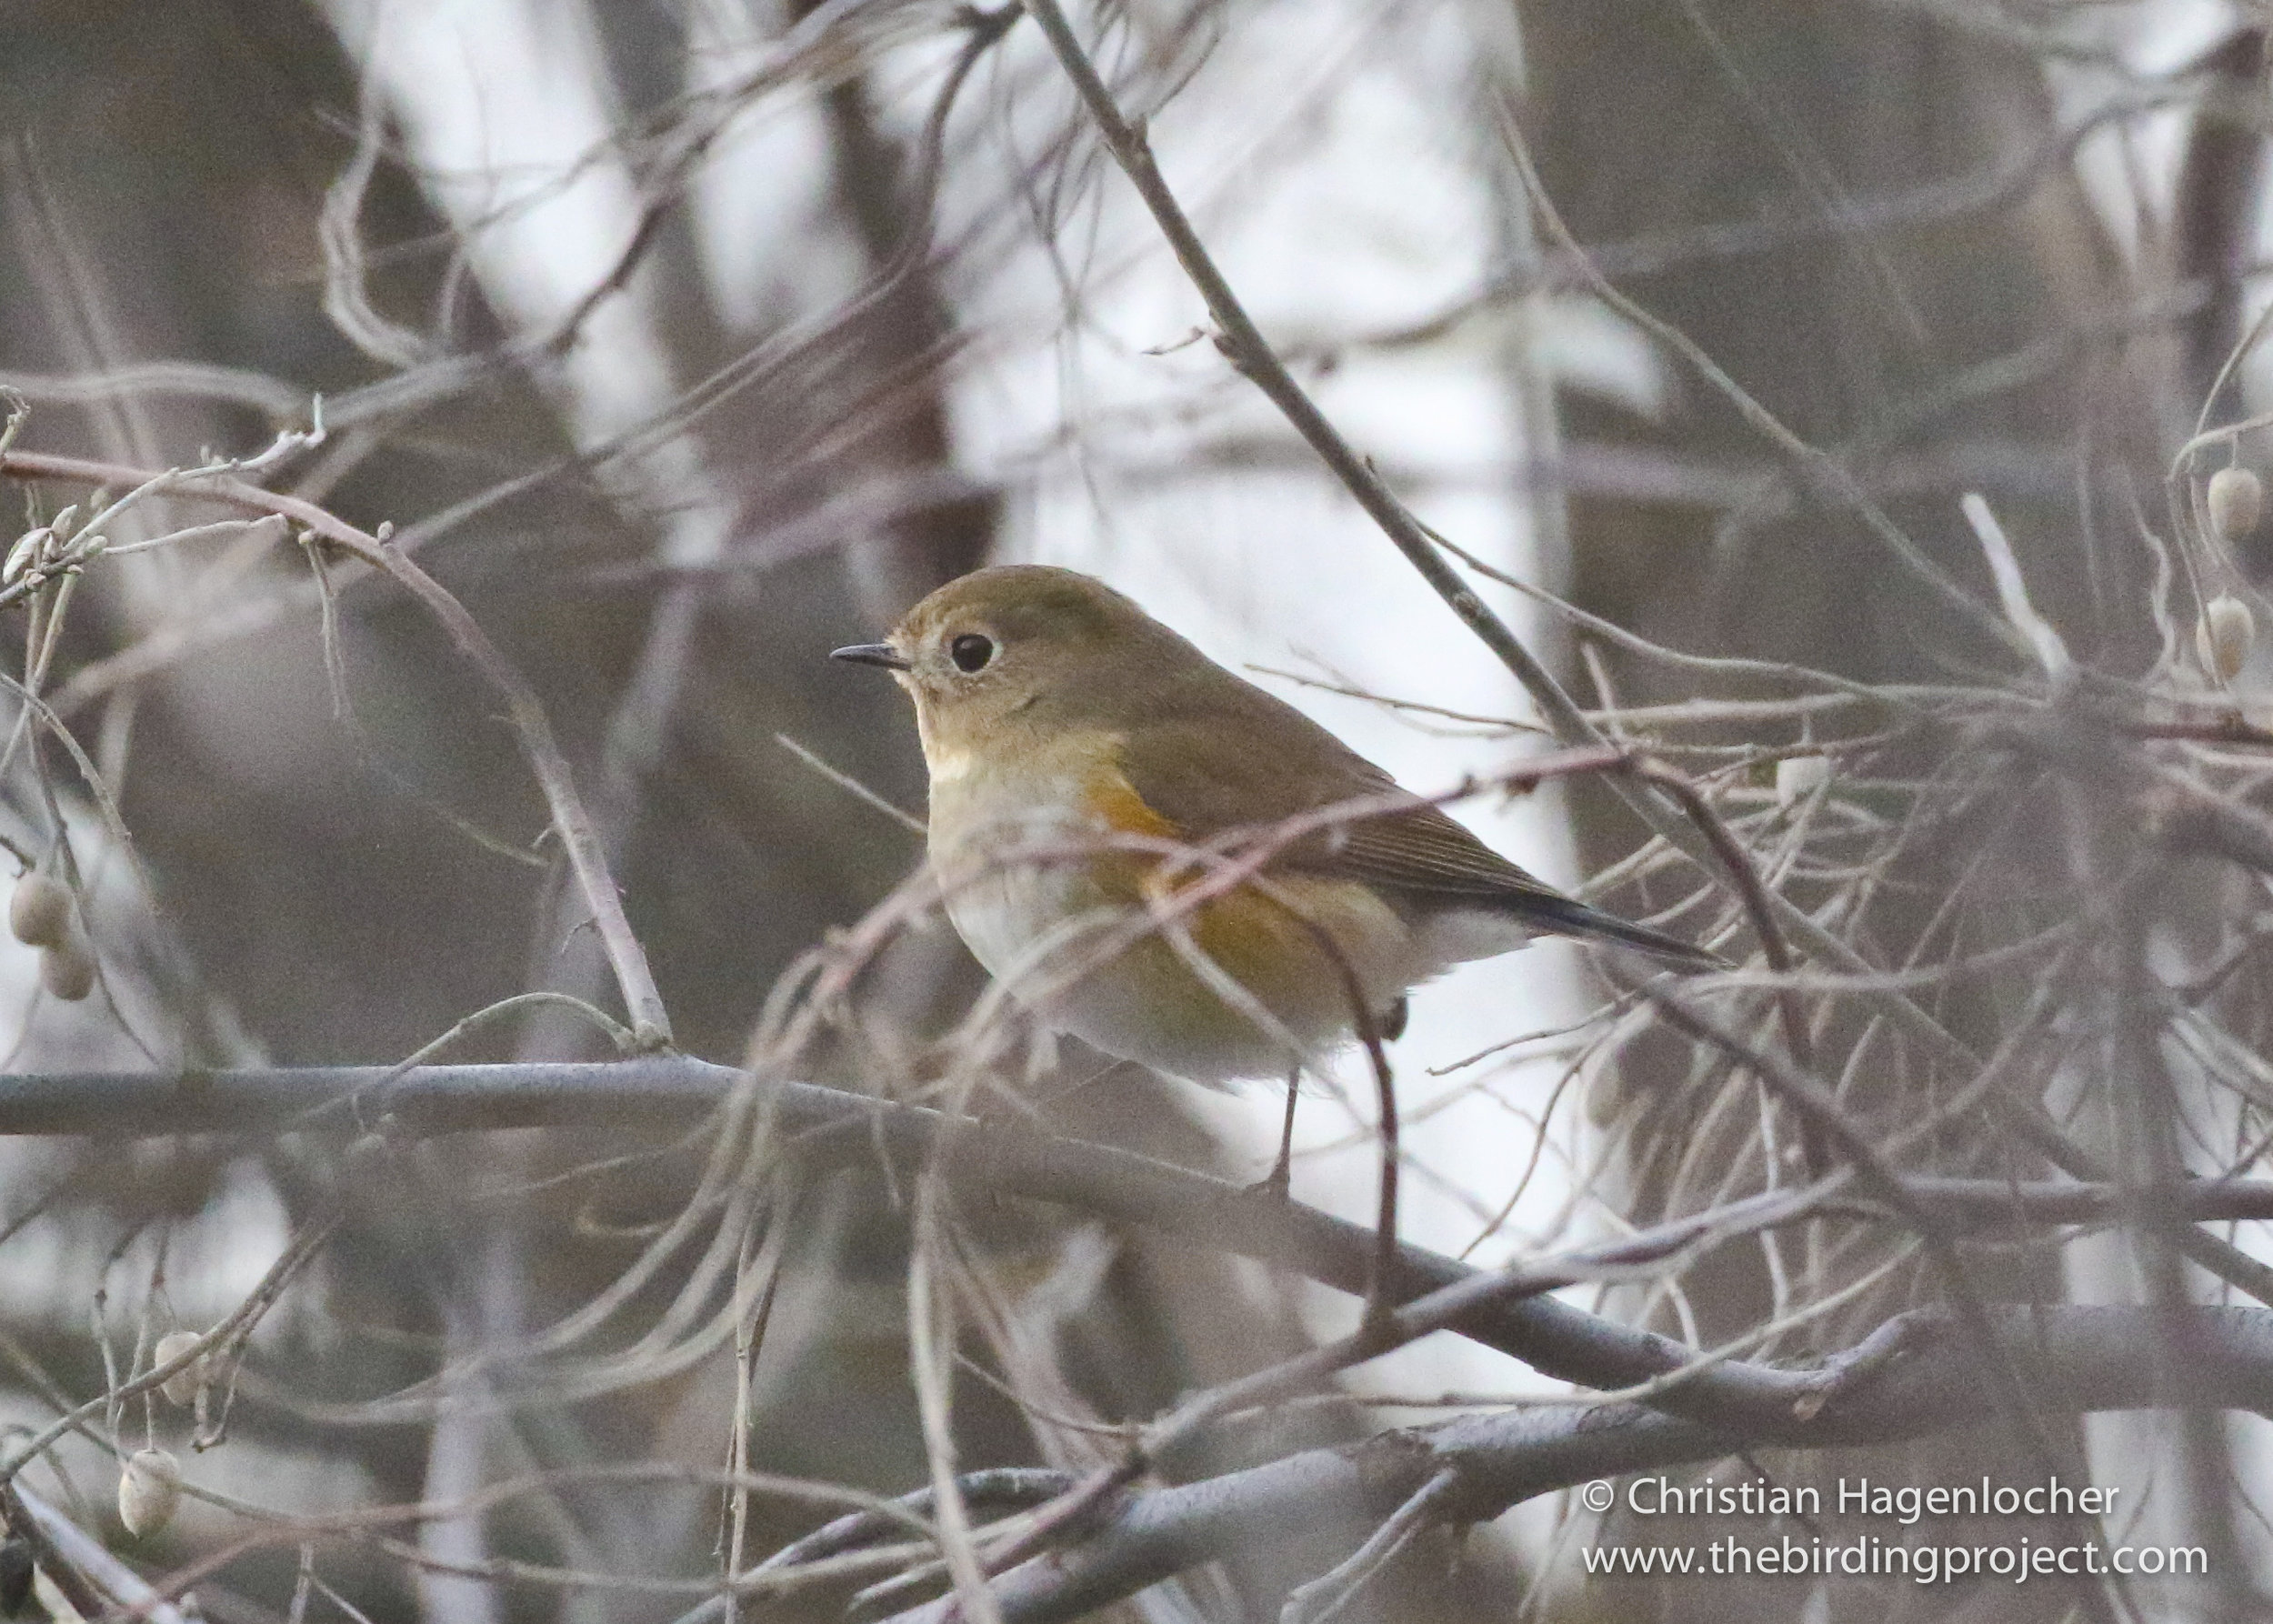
(1326, 1595)
(651, 1025)
(1244, 345)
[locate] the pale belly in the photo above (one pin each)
(1250, 993)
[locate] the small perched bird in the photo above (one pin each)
(1056, 715)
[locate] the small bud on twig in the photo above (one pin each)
(29, 549)
(2235, 501)
(148, 1491)
(2224, 635)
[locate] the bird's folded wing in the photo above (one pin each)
(1422, 853)
(1200, 773)
(1202, 776)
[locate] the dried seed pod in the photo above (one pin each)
(2235, 501)
(1799, 776)
(181, 1388)
(67, 968)
(148, 1491)
(39, 909)
(2224, 635)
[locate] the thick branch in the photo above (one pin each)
(2074, 1359)
(830, 1127)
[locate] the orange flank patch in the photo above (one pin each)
(1252, 932)
(1257, 939)
(1115, 803)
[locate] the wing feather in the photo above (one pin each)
(1194, 763)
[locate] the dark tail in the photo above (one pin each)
(1569, 918)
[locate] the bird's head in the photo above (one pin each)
(996, 655)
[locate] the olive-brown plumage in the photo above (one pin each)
(1057, 716)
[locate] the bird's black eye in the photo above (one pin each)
(970, 652)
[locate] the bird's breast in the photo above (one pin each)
(1009, 846)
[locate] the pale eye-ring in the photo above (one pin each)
(970, 652)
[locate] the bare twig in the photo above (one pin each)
(650, 1024)
(1326, 1595)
